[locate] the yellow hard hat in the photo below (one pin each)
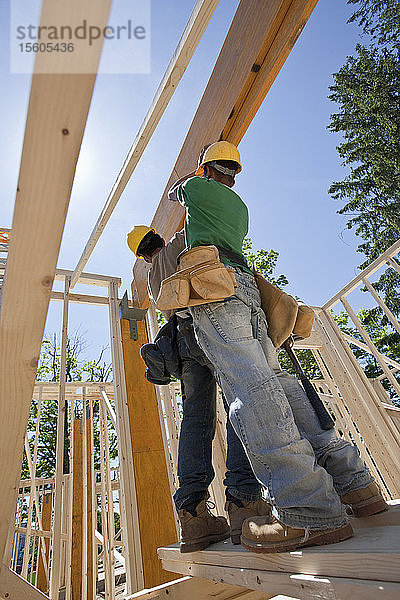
(135, 236)
(219, 151)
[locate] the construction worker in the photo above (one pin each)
(310, 473)
(199, 527)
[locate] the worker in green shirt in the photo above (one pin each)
(309, 473)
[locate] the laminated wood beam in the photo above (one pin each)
(258, 42)
(57, 113)
(154, 502)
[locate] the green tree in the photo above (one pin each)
(366, 91)
(379, 19)
(77, 369)
(265, 262)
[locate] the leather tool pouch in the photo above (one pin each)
(213, 282)
(285, 316)
(201, 278)
(304, 321)
(174, 291)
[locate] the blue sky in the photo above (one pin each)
(289, 157)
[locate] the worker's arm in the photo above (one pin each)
(172, 195)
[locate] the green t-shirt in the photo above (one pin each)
(215, 215)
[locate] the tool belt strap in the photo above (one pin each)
(233, 256)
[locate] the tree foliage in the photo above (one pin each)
(77, 369)
(366, 91)
(265, 262)
(380, 19)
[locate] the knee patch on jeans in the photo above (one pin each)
(257, 382)
(323, 454)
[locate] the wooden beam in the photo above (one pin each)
(127, 496)
(81, 298)
(299, 586)
(258, 42)
(155, 512)
(279, 41)
(88, 278)
(56, 119)
(191, 36)
(61, 499)
(90, 505)
(198, 589)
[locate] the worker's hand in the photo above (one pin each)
(172, 191)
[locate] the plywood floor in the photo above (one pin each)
(366, 567)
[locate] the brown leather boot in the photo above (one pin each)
(238, 514)
(260, 536)
(198, 532)
(365, 501)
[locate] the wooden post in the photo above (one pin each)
(59, 487)
(108, 557)
(56, 119)
(89, 502)
(41, 577)
(77, 512)
(156, 518)
(128, 502)
(84, 497)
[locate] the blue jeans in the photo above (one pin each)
(195, 470)
(303, 467)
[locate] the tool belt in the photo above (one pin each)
(201, 278)
(285, 315)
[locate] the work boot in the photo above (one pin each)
(201, 529)
(237, 514)
(365, 501)
(260, 536)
